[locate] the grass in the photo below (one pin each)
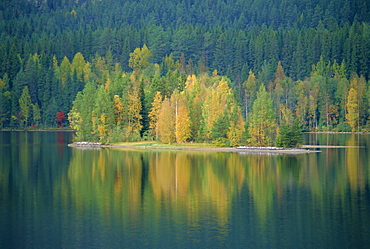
(160, 145)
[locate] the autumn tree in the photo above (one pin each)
(215, 104)
(154, 113)
(64, 70)
(262, 120)
(133, 113)
(103, 115)
(195, 94)
(166, 122)
(139, 59)
(182, 118)
(118, 110)
(352, 109)
(80, 116)
(78, 64)
(60, 117)
(236, 128)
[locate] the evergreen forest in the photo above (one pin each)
(229, 72)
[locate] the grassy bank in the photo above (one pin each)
(155, 144)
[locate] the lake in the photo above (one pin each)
(53, 196)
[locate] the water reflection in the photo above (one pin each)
(106, 197)
(187, 183)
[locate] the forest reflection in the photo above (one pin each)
(129, 183)
(149, 194)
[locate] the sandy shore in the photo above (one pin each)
(216, 149)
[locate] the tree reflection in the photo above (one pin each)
(184, 182)
(354, 169)
(146, 189)
(136, 185)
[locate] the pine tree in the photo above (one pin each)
(250, 92)
(5, 101)
(289, 135)
(36, 114)
(25, 105)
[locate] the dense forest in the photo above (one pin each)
(200, 70)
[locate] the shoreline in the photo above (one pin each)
(41, 130)
(72, 130)
(337, 132)
(246, 150)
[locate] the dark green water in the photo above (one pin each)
(53, 196)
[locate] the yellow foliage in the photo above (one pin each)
(153, 115)
(133, 110)
(118, 109)
(74, 119)
(215, 104)
(352, 109)
(166, 123)
(65, 69)
(236, 130)
(107, 84)
(182, 114)
(87, 71)
(139, 59)
(78, 64)
(286, 114)
(102, 127)
(74, 13)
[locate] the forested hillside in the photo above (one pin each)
(312, 57)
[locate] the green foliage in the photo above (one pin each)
(81, 42)
(352, 110)
(289, 136)
(220, 128)
(25, 105)
(262, 120)
(36, 114)
(139, 59)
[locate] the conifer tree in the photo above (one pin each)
(36, 114)
(25, 105)
(250, 92)
(5, 97)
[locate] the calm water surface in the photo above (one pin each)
(53, 196)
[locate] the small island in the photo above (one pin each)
(193, 147)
